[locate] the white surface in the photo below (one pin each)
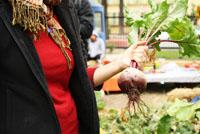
(173, 77)
(172, 73)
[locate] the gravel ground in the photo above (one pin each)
(153, 98)
(119, 101)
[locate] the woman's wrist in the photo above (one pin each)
(123, 63)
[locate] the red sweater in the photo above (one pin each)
(57, 75)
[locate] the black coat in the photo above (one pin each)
(26, 105)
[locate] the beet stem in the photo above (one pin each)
(173, 41)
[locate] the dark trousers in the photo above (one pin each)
(94, 58)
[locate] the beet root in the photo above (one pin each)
(133, 82)
(132, 78)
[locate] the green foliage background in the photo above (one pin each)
(179, 117)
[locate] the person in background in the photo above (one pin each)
(86, 19)
(96, 47)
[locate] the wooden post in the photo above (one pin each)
(105, 4)
(121, 17)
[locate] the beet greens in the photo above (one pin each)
(165, 17)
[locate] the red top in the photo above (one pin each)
(57, 75)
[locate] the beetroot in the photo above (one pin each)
(132, 81)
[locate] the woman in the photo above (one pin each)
(44, 85)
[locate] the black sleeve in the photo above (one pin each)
(3, 35)
(1, 31)
(1, 26)
(4, 39)
(86, 18)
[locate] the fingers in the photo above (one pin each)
(140, 48)
(140, 54)
(141, 43)
(140, 58)
(136, 49)
(138, 44)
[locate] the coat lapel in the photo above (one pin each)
(26, 46)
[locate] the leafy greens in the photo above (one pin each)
(165, 17)
(179, 117)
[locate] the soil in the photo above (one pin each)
(119, 100)
(154, 97)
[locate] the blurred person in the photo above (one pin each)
(45, 88)
(96, 47)
(86, 18)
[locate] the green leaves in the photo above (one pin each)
(100, 103)
(177, 10)
(166, 17)
(153, 5)
(167, 14)
(133, 37)
(129, 20)
(164, 125)
(155, 19)
(183, 110)
(135, 25)
(184, 32)
(198, 115)
(179, 117)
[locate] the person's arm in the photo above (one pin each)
(135, 52)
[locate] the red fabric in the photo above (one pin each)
(90, 72)
(58, 75)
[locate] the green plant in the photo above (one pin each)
(165, 17)
(172, 118)
(100, 103)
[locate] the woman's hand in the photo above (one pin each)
(137, 52)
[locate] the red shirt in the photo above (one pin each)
(57, 75)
